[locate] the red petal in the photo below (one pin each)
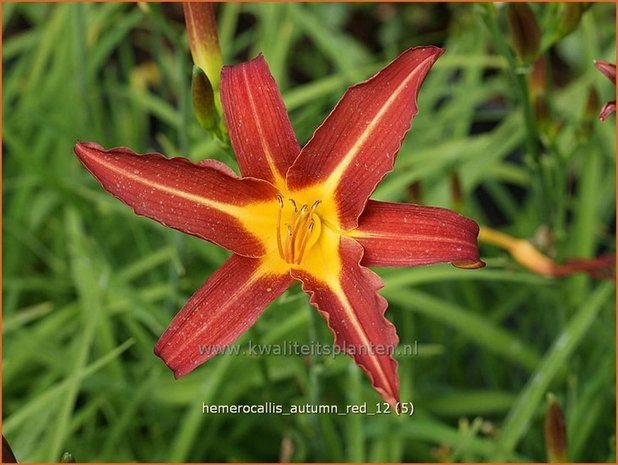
(608, 69)
(219, 312)
(258, 123)
(204, 201)
(356, 145)
(217, 165)
(606, 110)
(354, 312)
(396, 234)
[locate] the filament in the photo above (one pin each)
(289, 245)
(293, 240)
(279, 245)
(303, 243)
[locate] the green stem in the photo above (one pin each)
(488, 13)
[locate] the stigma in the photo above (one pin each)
(297, 229)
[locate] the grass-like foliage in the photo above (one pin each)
(88, 287)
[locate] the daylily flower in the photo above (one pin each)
(609, 71)
(295, 214)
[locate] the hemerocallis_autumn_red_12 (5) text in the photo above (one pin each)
(295, 214)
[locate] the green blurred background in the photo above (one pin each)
(88, 287)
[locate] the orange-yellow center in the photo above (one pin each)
(298, 229)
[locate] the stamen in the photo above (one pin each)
(300, 228)
(292, 231)
(293, 243)
(289, 245)
(300, 217)
(303, 243)
(279, 245)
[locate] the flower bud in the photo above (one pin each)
(570, 16)
(525, 32)
(555, 432)
(609, 71)
(607, 109)
(203, 97)
(203, 39)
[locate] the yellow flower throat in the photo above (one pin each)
(298, 229)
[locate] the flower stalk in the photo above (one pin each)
(528, 256)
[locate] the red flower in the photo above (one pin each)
(295, 214)
(609, 71)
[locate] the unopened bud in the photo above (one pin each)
(608, 69)
(203, 97)
(203, 39)
(525, 32)
(607, 109)
(555, 432)
(569, 19)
